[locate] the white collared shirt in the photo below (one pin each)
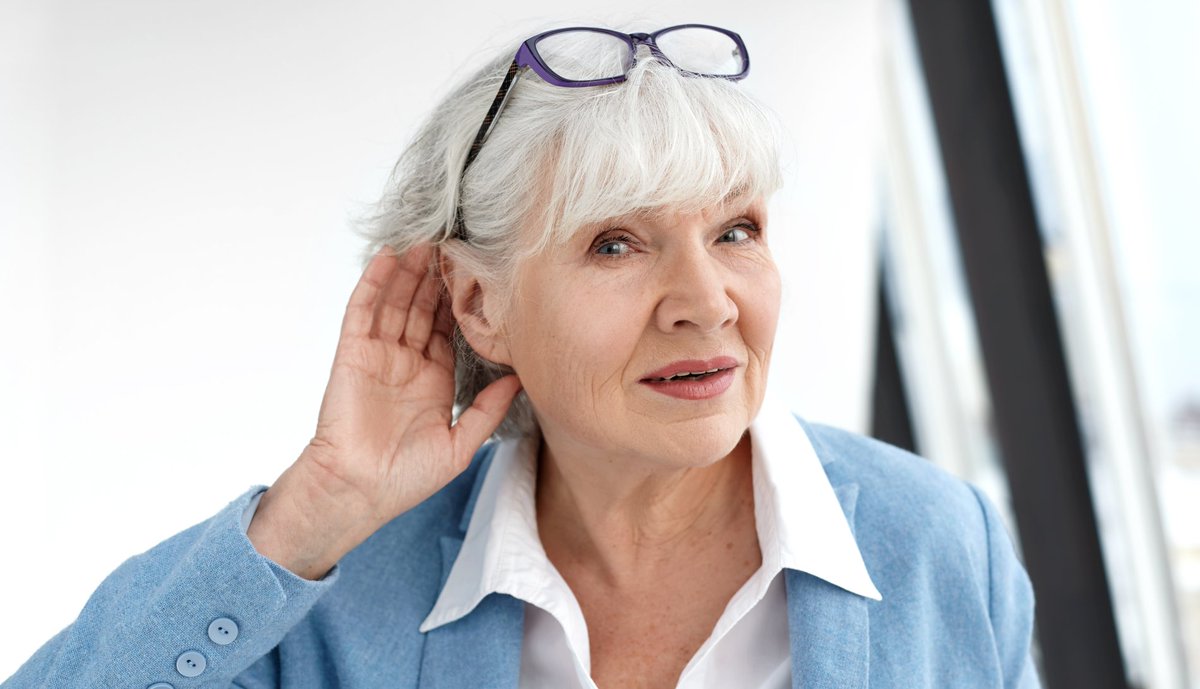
(800, 526)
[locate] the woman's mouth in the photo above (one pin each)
(689, 375)
(693, 379)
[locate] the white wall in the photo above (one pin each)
(175, 184)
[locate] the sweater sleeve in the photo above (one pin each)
(201, 609)
(1010, 603)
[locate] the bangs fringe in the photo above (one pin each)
(662, 140)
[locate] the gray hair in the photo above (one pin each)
(561, 158)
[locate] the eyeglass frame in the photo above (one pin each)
(528, 56)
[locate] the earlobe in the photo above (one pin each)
(470, 299)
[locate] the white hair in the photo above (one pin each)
(561, 158)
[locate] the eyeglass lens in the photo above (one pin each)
(584, 55)
(703, 51)
(591, 55)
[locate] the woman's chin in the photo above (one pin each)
(697, 443)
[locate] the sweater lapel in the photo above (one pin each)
(827, 625)
(482, 649)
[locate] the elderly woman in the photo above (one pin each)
(587, 275)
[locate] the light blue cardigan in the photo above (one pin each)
(957, 608)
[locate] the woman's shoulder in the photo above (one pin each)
(887, 476)
(940, 555)
(905, 510)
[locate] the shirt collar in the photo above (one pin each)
(799, 517)
(799, 520)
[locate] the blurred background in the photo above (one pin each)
(985, 231)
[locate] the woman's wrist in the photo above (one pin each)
(305, 526)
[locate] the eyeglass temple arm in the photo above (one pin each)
(489, 118)
(460, 228)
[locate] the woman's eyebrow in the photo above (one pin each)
(747, 209)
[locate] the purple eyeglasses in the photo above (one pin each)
(584, 56)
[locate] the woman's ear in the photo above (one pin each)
(475, 306)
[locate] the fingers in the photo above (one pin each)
(395, 299)
(422, 312)
(481, 419)
(360, 311)
(379, 305)
(443, 322)
(440, 349)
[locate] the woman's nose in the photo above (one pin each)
(695, 295)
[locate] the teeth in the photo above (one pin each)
(686, 374)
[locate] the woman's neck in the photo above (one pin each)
(629, 523)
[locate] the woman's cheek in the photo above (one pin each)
(759, 311)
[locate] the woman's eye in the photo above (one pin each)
(611, 248)
(736, 234)
(616, 246)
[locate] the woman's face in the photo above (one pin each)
(598, 323)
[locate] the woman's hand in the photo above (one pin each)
(384, 440)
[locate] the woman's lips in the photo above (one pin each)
(705, 387)
(693, 379)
